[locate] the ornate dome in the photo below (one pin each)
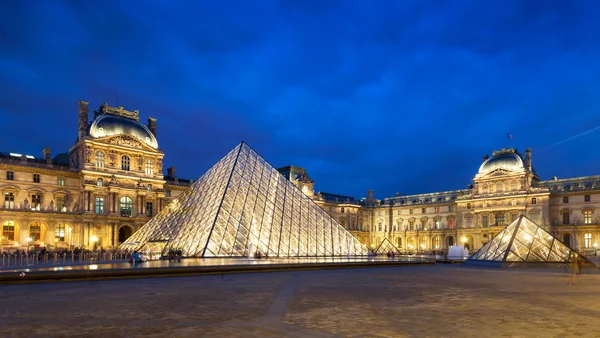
(508, 161)
(108, 125)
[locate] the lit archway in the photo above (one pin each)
(124, 233)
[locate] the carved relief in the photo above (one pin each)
(88, 155)
(159, 165)
(140, 163)
(113, 158)
(126, 140)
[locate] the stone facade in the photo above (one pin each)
(106, 187)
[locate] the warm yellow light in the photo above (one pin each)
(94, 239)
(28, 239)
(596, 245)
(464, 239)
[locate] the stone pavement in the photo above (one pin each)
(412, 301)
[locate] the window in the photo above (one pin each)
(565, 218)
(587, 240)
(36, 201)
(60, 204)
(500, 219)
(450, 208)
(99, 159)
(149, 167)
(411, 225)
(168, 192)
(586, 198)
(399, 225)
(484, 221)
(36, 178)
(59, 232)
(436, 242)
(534, 201)
(587, 216)
(10, 175)
(565, 199)
(61, 181)
(149, 187)
(451, 223)
(410, 211)
(343, 222)
(513, 217)
(125, 163)
(399, 242)
(534, 217)
(342, 210)
(149, 209)
(399, 212)
(8, 231)
(469, 221)
(437, 209)
(35, 231)
(100, 205)
(468, 205)
(423, 210)
(126, 204)
(437, 223)
(100, 182)
(380, 226)
(9, 200)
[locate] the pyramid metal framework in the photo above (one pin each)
(385, 247)
(243, 204)
(522, 241)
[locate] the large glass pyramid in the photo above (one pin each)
(385, 247)
(522, 241)
(242, 204)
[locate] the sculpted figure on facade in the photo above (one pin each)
(88, 155)
(159, 165)
(112, 156)
(140, 163)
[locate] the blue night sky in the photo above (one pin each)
(396, 96)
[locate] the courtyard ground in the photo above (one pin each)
(411, 301)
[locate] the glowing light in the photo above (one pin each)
(28, 239)
(94, 239)
(464, 239)
(94, 267)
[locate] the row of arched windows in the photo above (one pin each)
(125, 163)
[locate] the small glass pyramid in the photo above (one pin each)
(385, 247)
(242, 204)
(522, 241)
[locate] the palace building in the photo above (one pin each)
(111, 182)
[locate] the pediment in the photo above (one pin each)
(125, 141)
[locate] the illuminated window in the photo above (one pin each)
(399, 242)
(126, 205)
(149, 187)
(451, 223)
(587, 240)
(436, 242)
(500, 219)
(36, 201)
(8, 231)
(437, 223)
(587, 216)
(60, 204)
(36, 178)
(35, 231)
(125, 163)
(61, 181)
(484, 221)
(100, 205)
(59, 232)
(149, 167)
(100, 182)
(10, 175)
(411, 225)
(99, 159)
(9, 200)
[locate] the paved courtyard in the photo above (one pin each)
(413, 301)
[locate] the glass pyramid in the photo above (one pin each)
(242, 204)
(523, 241)
(385, 247)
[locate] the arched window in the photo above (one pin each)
(100, 182)
(587, 240)
(126, 204)
(125, 163)
(99, 159)
(8, 231)
(435, 243)
(399, 242)
(342, 210)
(59, 232)
(468, 205)
(149, 167)
(567, 239)
(423, 243)
(35, 231)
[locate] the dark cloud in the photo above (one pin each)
(396, 96)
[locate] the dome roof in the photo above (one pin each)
(108, 125)
(508, 161)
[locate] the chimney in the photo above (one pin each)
(528, 159)
(83, 119)
(152, 125)
(47, 152)
(171, 172)
(370, 198)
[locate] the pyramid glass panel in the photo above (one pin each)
(385, 247)
(523, 241)
(242, 204)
